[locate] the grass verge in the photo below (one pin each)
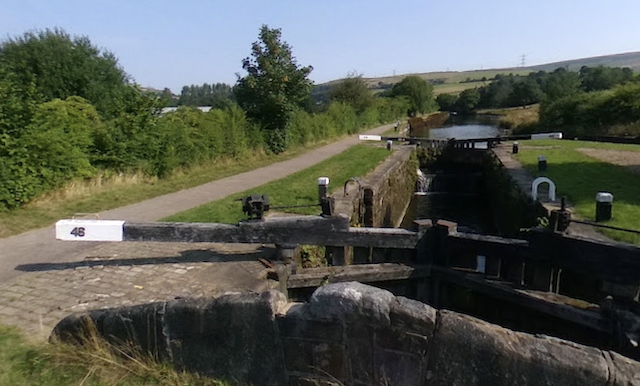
(95, 363)
(127, 190)
(297, 189)
(579, 177)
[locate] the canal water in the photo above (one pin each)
(463, 128)
(455, 195)
(466, 128)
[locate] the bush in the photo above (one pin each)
(52, 150)
(593, 113)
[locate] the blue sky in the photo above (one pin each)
(170, 44)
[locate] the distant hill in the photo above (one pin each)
(629, 59)
(444, 80)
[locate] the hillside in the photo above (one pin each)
(456, 81)
(629, 59)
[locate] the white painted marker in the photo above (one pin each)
(365, 137)
(546, 136)
(89, 230)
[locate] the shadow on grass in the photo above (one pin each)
(581, 181)
(187, 256)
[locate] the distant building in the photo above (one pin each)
(167, 110)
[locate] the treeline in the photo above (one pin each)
(521, 90)
(592, 101)
(69, 111)
(218, 95)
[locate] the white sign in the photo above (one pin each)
(364, 137)
(89, 230)
(546, 135)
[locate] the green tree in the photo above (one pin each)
(578, 114)
(167, 99)
(561, 83)
(467, 101)
(446, 102)
(61, 66)
(417, 90)
(274, 87)
(17, 104)
(525, 92)
(217, 95)
(624, 104)
(603, 78)
(352, 90)
(129, 140)
(60, 138)
(17, 108)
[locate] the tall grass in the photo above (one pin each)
(93, 362)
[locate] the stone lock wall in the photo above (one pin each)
(381, 198)
(350, 334)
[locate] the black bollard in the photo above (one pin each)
(323, 196)
(542, 163)
(323, 188)
(604, 206)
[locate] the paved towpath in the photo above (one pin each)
(42, 279)
(40, 246)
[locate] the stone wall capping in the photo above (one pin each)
(349, 301)
(349, 334)
(412, 315)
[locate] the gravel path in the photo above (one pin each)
(630, 159)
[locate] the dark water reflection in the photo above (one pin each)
(468, 210)
(467, 130)
(463, 128)
(464, 132)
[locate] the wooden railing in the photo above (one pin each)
(433, 254)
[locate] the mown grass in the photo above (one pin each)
(579, 177)
(297, 189)
(454, 81)
(23, 363)
(449, 76)
(93, 197)
(456, 88)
